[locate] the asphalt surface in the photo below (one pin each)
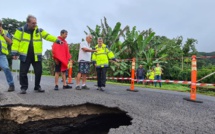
(153, 111)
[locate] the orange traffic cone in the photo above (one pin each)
(132, 77)
(193, 81)
(70, 73)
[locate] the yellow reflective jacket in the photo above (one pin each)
(69, 65)
(151, 75)
(102, 56)
(3, 43)
(158, 71)
(22, 38)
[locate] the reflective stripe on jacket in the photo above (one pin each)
(22, 38)
(102, 56)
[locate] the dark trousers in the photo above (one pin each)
(140, 78)
(101, 76)
(157, 77)
(24, 68)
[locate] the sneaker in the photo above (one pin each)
(67, 87)
(56, 87)
(102, 89)
(78, 88)
(85, 87)
(23, 91)
(11, 88)
(99, 88)
(39, 90)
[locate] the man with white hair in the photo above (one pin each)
(101, 60)
(84, 59)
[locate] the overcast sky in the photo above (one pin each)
(171, 18)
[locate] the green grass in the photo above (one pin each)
(170, 87)
(210, 90)
(206, 90)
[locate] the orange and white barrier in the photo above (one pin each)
(70, 73)
(163, 81)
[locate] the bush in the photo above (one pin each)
(206, 71)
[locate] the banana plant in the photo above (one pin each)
(122, 69)
(139, 47)
(109, 35)
(48, 62)
(149, 60)
(74, 50)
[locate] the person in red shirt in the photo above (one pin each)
(61, 57)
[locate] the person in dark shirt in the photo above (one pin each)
(140, 72)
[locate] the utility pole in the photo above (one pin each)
(182, 64)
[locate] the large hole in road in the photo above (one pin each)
(79, 119)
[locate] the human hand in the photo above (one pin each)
(59, 42)
(114, 60)
(94, 49)
(117, 60)
(1, 30)
(15, 57)
(56, 62)
(71, 61)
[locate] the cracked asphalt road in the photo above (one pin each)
(153, 111)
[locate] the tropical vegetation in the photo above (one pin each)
(174, 55)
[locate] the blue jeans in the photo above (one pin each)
(140, 78)
(5, 67)
(157, 77)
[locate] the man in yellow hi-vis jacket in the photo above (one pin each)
(5, 39)
(158, 72)
(27, 44)
(101, 60)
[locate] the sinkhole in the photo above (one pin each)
(80, 119)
